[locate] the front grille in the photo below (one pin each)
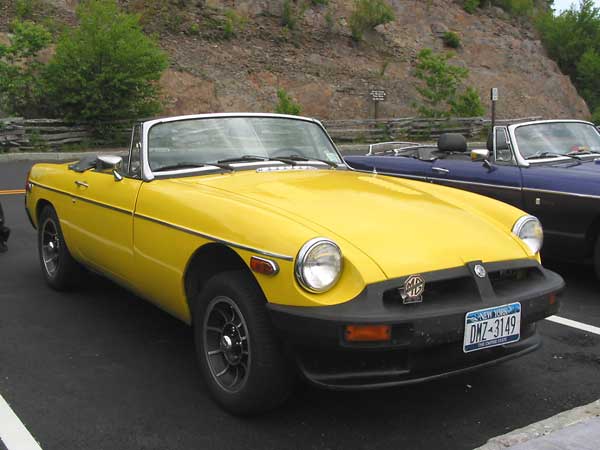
(442, 292)
(506, 281)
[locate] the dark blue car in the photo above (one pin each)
(550, 168)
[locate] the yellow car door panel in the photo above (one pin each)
(103, 222)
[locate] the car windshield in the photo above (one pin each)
(205, 141)
(557, 139)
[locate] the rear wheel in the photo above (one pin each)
(239, 355)
(58, 266)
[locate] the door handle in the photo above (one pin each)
(81, 184)
(440, 170)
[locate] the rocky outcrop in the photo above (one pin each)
(330, 76)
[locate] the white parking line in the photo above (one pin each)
(13, 433)
(574, 324)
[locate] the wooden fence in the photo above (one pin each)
(411, 128)
(17, 134)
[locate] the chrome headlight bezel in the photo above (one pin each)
(520, 227)
(299, 265)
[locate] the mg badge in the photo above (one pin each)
(480, 271)
(412, 292)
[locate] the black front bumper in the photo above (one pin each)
(426, 338)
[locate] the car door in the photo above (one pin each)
(497, 177)
(103, 215)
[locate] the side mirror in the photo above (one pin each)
(480, 155)
(115, 163)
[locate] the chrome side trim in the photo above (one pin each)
(83, 199)
(214, 238)
(445, 180)
(498, 186)
(573, 194)
(396, 175)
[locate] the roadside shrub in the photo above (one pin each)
(471, 6)
(367, 14)
(451, 39)
(193, 29)
(286, 105)
(440, 87)
(106, 68)
(523, 8)
(233, 23)
(21, 87)
(159, 16)
(290, 14)
(467, 104)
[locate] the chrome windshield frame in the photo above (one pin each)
(149, 175)
(523, 162)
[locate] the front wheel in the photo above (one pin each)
(60, 270)
(239, 355)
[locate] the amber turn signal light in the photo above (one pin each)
(368, 333)
(264, 266)
(552, 299)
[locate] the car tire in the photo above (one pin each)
(239, 354)
(60, 270)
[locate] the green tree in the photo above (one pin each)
(588, 78)
(572, 39)
(20, 85)
(569, 35)
(367, 14)
(440, 87)
(286, 104)
(106, 68)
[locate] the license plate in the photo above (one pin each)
(491, 327)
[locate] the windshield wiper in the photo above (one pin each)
(248, 158)
(547, 154)
(302, 158)
(584, 152)
(190, 165)
(244, 158)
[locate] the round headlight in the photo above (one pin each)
(318, 265)
(529, 230)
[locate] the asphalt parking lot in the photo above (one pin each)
(98, 368)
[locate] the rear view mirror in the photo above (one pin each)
(480, 155)
(114, 163)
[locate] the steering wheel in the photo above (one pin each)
(288, 151)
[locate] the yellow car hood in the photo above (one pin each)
(404, 226)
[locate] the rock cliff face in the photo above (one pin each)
(330, 76)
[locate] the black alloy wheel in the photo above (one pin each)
(240, 356)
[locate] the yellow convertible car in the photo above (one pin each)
(251, 228)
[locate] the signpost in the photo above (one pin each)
(377, 95)
(494, 98)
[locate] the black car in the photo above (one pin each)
(4, 232)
